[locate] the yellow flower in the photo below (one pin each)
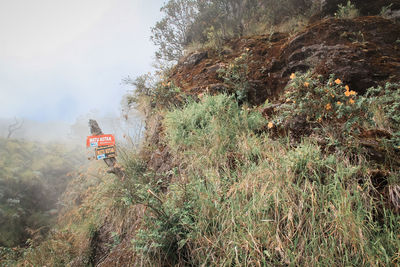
(306, 84)
(270, 125)
(332, 95)
(348, 92)
(247, 49)
(338, 81)
(328, 106)
(338, 103)
(351, 101)
(292, 76)
(319, 119)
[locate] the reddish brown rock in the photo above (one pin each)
(363, 52)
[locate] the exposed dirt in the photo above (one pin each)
(363, 52)
(100, 244)
(111, 245)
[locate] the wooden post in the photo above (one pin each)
(114, 167)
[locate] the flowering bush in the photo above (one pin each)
(331, 102)
(321, 101)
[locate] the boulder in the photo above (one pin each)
(194, 58)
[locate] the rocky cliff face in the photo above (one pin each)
(363, 52)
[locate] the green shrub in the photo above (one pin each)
(236, 76)
(151, 92)
(349, 11)
(214, 38)
(385, 11)
(385, 103)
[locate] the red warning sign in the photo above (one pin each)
(100, 140)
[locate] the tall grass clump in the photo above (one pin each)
(206, 132)
(216, 119)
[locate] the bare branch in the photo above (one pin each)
(14, 127)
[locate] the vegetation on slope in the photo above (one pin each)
(189, 25)
(241, 194)
(240, 191)
(311, 176)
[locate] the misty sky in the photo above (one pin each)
(63, 58)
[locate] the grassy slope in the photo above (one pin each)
(239, 193)
(240, 197)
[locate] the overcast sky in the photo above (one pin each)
(63, 58)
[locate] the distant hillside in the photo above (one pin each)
(32, 178)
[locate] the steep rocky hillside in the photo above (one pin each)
(363, 52)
